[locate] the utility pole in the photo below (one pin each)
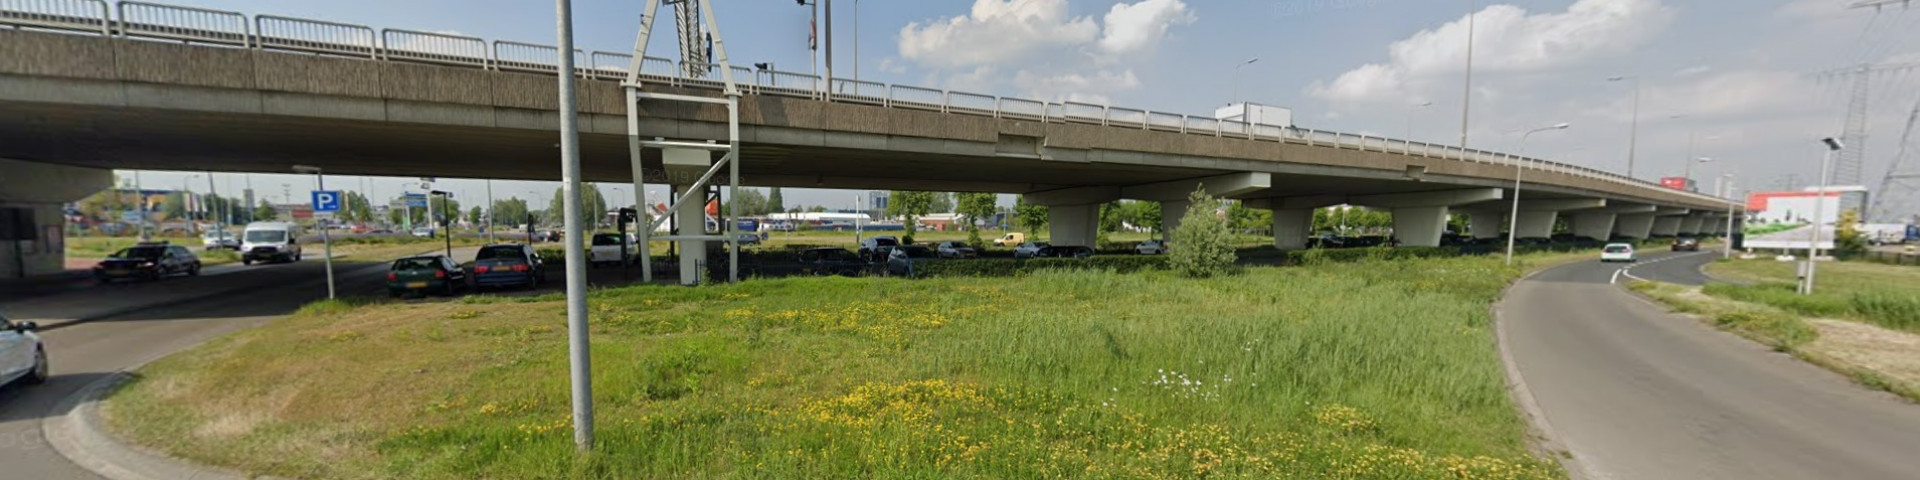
(829, 39)
(580, 364)
(1819, 203)
(1466, 99)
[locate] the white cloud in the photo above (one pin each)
(996, 31)
(1074, 87)
(1506, 39)
(1694, 70)
(1139, 26)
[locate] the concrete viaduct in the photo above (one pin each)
(75, 103)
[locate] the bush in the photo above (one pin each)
(1202, 245)
(1889, 310)
(1006, 267)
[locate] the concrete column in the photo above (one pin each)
(1535, 223)
(690, 215)
(1712, 225)
(1419, 226)
(1485, 224)
(1077, 225)
(1171, 213)
(1638, 225)
(1594, 225)
(1690, 225)
(1291, 228)
(36, 191)
(1666, 226)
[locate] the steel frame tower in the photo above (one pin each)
(1902, 181)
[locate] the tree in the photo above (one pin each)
(817, 209)
(775, 203)
(1247, 219)
(511, 211)
(593, 206)
(909, 205)
(357, 208)
(1029, 215)
(1848, 240)
(176, 206)
(477, 216)
(265, 212)
(1202, 245)
(751, 202)
(942, 203)
(444, 209)
(976, 207)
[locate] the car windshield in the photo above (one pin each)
(266, 236)
(503, 251)
(416, 263)
(140, 253)
(1619, 249)
(605, 239)
(885, 242)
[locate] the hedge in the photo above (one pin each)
(1003, 267)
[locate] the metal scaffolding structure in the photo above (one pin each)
(695, 191)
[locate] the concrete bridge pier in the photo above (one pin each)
(1293, 217)
(1173, 195)
(1073, 214)
(1690, 224)
(1485, 224)
(690, 216)
(33, 224)
(1594, 225)
(1666, 222)
(1420, 218)
(1634, 225)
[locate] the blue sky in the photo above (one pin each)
(1735, 73)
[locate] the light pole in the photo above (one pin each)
(140, 196)
(1466, 98)
(446, 201)
(1819, 203)
(1633, 133)
(1726, 191)
(1688, 173)
(490, 211)
(856, 40)
(187, 197)
(218, 222)
(326, 238)
(1513, 218)
(813, 40)
(579, 359)
(1410, 107)
(1236, 84)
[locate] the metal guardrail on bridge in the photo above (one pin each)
(153, 21)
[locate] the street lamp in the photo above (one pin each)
(813, 39)
(1819, 203)
(1410, 108)
(1513, 218)
(445, 205)
(1466, 98)
(1726, 191)
(1633, 135)
(326, 238)
(1236, 82)
(1688, 175)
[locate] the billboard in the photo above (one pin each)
(1677, 183)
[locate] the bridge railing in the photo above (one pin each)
(142, 20)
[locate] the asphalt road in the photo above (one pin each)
(1634, 392)
(84, 352)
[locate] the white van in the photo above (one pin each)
(270, 242)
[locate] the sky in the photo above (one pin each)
(1737, 81)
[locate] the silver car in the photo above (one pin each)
(22, 357)
(1028, 249)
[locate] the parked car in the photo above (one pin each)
(270, 241)
(147, 261)
(831, 261)
(607, 248)
(219, 240)
(1689, 244)
(509, 265)
(749, 239)
(1011, 238)
(1617, 252)
(902, 259)
(22, 356)
(1028, 249)
(426, 273)
(423, 232)
(1151, 247)
(1063, 251)
(955, 250)
(870, 247)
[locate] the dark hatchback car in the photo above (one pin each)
(1686, 244)
(1064, 251)
(508, 266)
(901, 260)
(425, 274)
(831, 261)
(147, 261)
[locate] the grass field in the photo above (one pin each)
(1369, 370)
(1884, 295)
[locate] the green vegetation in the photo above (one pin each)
(1007, 267)
(1376, 370)
(1883, 295)
(1202, 244)
(1774, 327)
(1755, 231)
(97, 247)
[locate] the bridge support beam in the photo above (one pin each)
(1484, 224)
(1536, 223)
(1690, 224)
(1419, 219)
(1666, 226)
(1635, 225)
(1073, 224)
(1173, 195)
(36, 192)
(1293, 217)
(691, 216)
(1594, 225)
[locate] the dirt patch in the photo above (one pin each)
(1891, 353)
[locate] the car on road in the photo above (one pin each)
(270, 241)
(1063, 251)
(1688, 244)
(1028, 249)
(955, 250)
(422, 232)
(831, 261)
(902, 259)
(508, 265)
(607, 249)
(871, 247)
(424, 274)
(220, 240)
(147, 261)
(22, 356)
(1151, 247)
(749, 239)
(1011, 238)
(1617, 252)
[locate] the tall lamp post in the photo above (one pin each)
(1633, 133)
(1688, 173)
(1236, 84)
(1819, 203)
(1466, 98)
(446, 203)
(326, 238)
(1513, 218)
(1726, 191)
(813, 39)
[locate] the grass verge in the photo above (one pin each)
(1364, 370)
(1884, 295)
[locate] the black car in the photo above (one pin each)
(831, 261)
(874, 248)
(426, 273)
(147, 261)
(902, 259)
(1063, 251)
(1687, 244)
(509, 265)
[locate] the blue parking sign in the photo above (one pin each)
(326, 201)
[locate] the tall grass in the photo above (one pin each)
(1361, 370)
(1884, 295)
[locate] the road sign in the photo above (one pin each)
(326, 201)
(416, 200)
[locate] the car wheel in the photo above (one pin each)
(41, 370)
(194, 272)
(449, 290)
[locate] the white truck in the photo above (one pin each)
(270, 242)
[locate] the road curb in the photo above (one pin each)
(1548, 444)
(78, 436)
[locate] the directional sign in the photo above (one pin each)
(326, 201)
(416, 200)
